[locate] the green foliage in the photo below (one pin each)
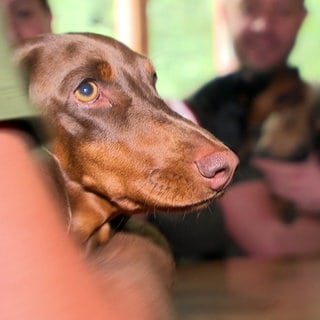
(180, 38)
(307, 50)
(83, 16)
(181, 44)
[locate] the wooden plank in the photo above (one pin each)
(131, 24)
(223, 53)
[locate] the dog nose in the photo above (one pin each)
(219, 167)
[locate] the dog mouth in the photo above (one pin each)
(165, 190)
(166, 203)
(130, 205)
(195, 206)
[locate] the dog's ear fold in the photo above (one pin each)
(23, 50)
(26, 56)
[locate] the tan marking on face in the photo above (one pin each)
(105, 70)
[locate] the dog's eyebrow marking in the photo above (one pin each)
(105, 71)
(98, 70)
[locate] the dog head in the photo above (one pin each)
(120, 147)
(284, 111)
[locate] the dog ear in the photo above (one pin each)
(23, 50)
(26, 57)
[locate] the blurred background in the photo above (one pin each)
(185, 39)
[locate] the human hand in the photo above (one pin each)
(296, 182)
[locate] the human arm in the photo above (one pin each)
(37, 260)
(252, 223)
(44, 276)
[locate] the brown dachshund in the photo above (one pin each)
(117, 145)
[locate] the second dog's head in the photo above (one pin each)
(284, 110)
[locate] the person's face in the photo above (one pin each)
(26, 19)
(264, 31)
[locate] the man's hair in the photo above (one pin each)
(45, 4)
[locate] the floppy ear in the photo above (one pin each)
(23, 50)
(26, 56)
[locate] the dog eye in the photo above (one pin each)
(87, 91)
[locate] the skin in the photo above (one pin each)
(298, 183)
(264, 32)
(26, 19)
(42, 264)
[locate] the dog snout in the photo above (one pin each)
(218, 168)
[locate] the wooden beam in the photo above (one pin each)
(131, 24)
(224, 58)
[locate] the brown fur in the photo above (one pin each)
(285, 113)
(125, 151)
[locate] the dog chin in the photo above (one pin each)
(131, 206)
(186, 207)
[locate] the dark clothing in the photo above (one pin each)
(222, 107)
(223, 104)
